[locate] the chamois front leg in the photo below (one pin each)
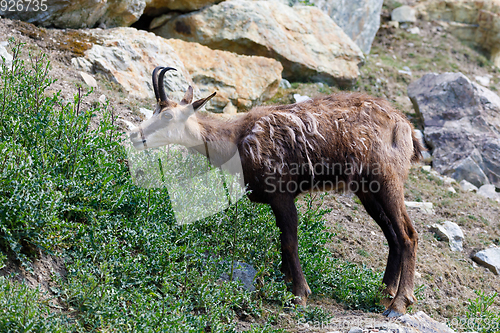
(285, 211)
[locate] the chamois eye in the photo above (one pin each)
(166, 115)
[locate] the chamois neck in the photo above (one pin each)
(220, 137)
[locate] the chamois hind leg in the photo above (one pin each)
(393, 267)
(391, 200)
(286, 219)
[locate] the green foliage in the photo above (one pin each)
(24, 311)
(53, 165)
(479, 316)
(66, 189)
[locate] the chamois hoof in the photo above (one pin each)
(390, 313)
(300, 300)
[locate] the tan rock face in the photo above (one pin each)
(128, 56)
(156, 7)
(309, 45)
(242, 81)
(474, 21)
(81, 13)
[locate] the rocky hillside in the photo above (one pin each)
(437, 61)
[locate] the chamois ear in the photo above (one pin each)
(188, 96)
(199, 103)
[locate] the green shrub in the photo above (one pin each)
(479, 316)
(22, 310)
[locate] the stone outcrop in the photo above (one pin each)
(473, 21)
(307, 42)
(128, 56)
(404, 14)
(462, 126)
(489, 191)
(360, 19)
(243, 81)
(489, 258)
(80, 13)
(157, 7)
(5, 56)
(422, 323)
(451, 233)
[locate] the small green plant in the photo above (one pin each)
(24, 311)
(479, 316)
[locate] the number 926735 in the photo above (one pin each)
(23, 6)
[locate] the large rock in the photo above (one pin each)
(449, 232)
(128, 56)
(156, 7)
(489, 258)
(404, 14)
(243, 81)
(488, 191)
(244, 273)
(360, 19)
(310, 46)
(80, 13)
(474, 21)
(462, 125)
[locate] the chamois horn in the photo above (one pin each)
(155, 82)
(161, 89)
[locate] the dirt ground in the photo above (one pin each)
(445, 280)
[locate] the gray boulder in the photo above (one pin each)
(306, 41)
(489, 258)
(468, 187)
(422, 323)
(449, 232)
(461, 125)
(404, 14)
(488, 191)
(360, 19)
(80, 13)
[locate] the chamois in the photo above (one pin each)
(346, 141)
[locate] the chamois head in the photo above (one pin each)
(171, 122)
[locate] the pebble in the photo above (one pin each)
(102, 99)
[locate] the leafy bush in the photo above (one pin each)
(54, 166)
(66, 189)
